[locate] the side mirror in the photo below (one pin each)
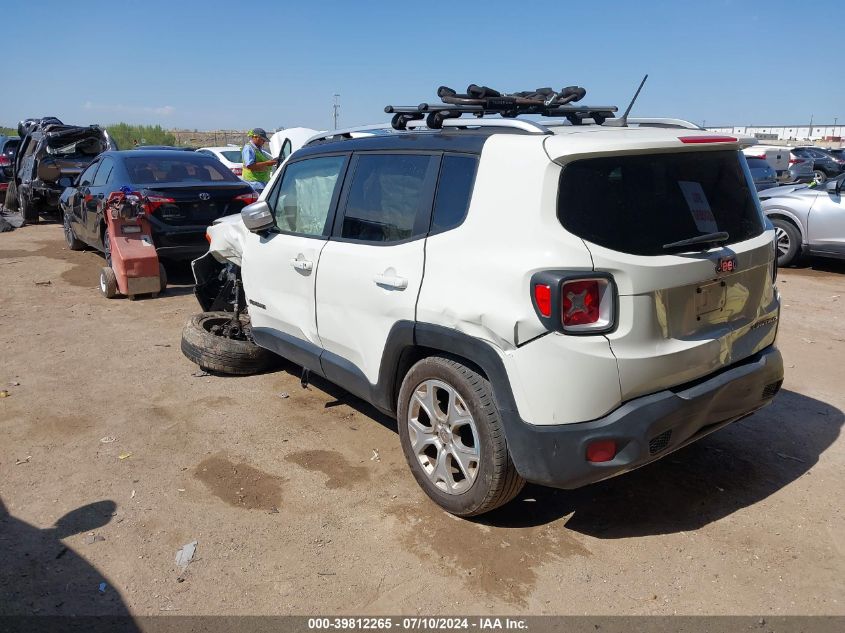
(257, 217)
(833, 186)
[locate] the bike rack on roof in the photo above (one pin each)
(480, 101)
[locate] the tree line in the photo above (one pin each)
(125, 135)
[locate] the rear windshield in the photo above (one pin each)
(233, 156)
(636, 204)
(178, 168)
(756, 163)
(11, 148)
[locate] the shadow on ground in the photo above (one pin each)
(40, 575)
(731, 469)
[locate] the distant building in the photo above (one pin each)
(796, 133)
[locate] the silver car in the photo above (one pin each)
(808, 220)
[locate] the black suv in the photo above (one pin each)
(50, 156)
(825, 165)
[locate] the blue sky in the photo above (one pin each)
(239, 64)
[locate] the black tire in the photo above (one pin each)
(217, 353)
(73, 243)
(788, 241)
(162, 277)
(819, 176)
(11, 200)
(106, 246)
(108, 282)
(496, 480)
(29, 210)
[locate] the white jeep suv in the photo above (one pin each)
(534, 302)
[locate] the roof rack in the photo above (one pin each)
(386, 128)
(481, 100)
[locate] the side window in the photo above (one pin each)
(386, 197)
(304, 198)
(87, 176)
(457, 176)
(102, 177)
(286, 147)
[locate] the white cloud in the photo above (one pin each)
(162, 111)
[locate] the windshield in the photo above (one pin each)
(636, 204)
(178, 168)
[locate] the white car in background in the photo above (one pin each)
(230, 155)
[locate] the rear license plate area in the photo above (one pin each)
(710, 298)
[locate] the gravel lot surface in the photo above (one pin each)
(115, 452)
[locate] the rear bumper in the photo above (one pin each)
(178, 242)
(644, 429)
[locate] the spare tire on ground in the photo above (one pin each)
(204, 341)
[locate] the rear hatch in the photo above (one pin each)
(69, 150)
(180, 204)
(683, 312)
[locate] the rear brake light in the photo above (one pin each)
(601, 451)
(4, 161)
(238, 171)
(207, 237)
(707, 139)
(761, 156)
(793, 161)
(247, 198)
(575, 303)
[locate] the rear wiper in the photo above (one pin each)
(710, 238)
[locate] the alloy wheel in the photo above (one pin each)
(444, 436)
(782, 240)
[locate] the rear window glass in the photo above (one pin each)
(457, 175)
(233, 156)
(636, 204)
(180, 168)
(757, 163)
(11, 148)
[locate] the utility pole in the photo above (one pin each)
(336, 108)
(810, 134)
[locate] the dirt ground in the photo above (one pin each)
(115, 452)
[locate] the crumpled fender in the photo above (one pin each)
(226, 237)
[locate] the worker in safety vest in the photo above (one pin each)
(257, 165)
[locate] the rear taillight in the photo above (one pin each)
(575, 303)
(152, 203)
(238, 171)
(581, 302)
(543, 299)
(4, 161)
(247, 198)
(761, 156)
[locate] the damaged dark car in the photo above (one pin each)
(50, 156)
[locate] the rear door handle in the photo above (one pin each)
(391, 281)
(302, 264)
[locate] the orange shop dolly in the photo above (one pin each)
(132, 262)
